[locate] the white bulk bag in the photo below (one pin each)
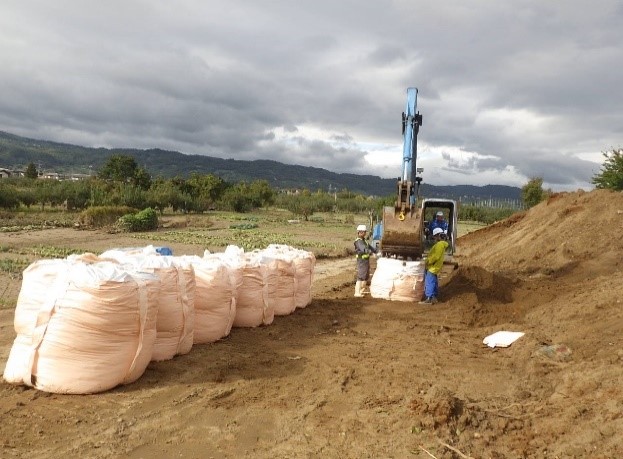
(83, 326)
(304, 263)
(233, 258)
(280, 285)
(176, 313)
(234, 265)
(187, 284)
(215, 305)
(398, 280)
(252, 307)
(175, 333)
(304, 266)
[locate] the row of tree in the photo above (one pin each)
(121, 182)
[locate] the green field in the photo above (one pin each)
(327, 235)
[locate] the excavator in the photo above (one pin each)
(403, 232)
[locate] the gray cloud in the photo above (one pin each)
(522, 89)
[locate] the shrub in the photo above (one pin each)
(244, 226)
(100, 216)
(145, 220)
(611, 174)
(8, 197)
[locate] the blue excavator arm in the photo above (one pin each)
(402, 223)
(411, 122)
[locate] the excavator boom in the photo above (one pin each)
(403, 223)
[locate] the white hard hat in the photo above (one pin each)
(440, 214)
(437, 231)
(362, 228)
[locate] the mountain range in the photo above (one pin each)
(17, 152)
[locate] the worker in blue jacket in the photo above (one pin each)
(438, 222)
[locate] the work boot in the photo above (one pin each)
(358, 292)
(434, 300)
(427, 300)
(364, 288)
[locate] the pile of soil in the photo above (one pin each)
(355, 378)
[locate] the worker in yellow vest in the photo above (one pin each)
(434, 263)
(363, 250)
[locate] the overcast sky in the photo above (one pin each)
(508, 90)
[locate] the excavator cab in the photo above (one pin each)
(430, 208)
(409, 236)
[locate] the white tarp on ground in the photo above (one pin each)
(502, 338)
(83, 326)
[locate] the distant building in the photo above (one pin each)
(5, 173)
(77, 177)
(50, 175)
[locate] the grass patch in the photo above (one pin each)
(13, 266)
(248, 239)
(43, 251)
(34, 220)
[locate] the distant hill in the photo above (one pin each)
(16, 152)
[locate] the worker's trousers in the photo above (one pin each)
(363, 269)
(431, 284)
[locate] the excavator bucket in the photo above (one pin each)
(402, 233)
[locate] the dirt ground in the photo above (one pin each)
(367, 378)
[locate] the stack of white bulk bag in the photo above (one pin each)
(83, 326)
(215, 304)
(398, 280)
(304, 264)
(176, 312)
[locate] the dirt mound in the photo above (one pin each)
(554, 236)
(555, 266)
(554, 273)
(485, 297)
